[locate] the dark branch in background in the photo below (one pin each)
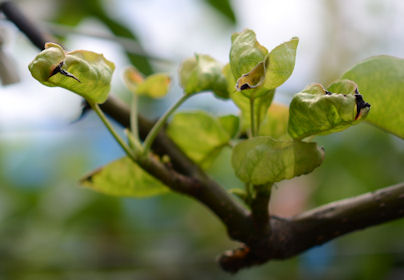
(264, 237)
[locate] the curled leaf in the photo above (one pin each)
(262, 159)
(318, 111)
(203, 73)
(84, 72)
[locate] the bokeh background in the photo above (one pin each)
(51, 228)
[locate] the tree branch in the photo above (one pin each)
(183, 175)
(290, 237)
(286, 237)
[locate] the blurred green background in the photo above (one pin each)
(51, 228)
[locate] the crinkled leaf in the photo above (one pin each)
(316, 111)
(123, 177)
(280, 63)
(381, 82)
(203, 73)
(91, 72)
(262, 159)
(343, 86)
(275, 123)
(200, 135)
(245, 53)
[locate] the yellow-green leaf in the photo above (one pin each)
(123, 177)
(275, 123)
(132, 78)
(381, 82)
(262, 159)
(200, 135)
(203, 73)
(280, 63)
(245, 53)
(84, 72)
(315, 111)
(154, 86)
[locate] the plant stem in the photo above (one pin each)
(133, 117)
(108, 125)
(252, 117)
(159, 124)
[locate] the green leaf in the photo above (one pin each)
(343, 86)
(262, 159)
(245, 53)
(231, 124)
(261, 105)
(83, 72)
(224, 8)
(200, 135)
(154, 86)
(381, 82)
(123, 177)
(275, 123)
(203, 73)
(315, 111)
(280, 63)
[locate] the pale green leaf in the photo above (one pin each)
(262, 159)
(381, 82)
(87, 73)
(245, 53)
(231, 124)
(315, 111)
(343, 86)
(123, 177)
(275, 123)
(280, 63)
(200, 135)
(203, 73)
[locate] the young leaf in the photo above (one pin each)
(132, 78)
(231, 124)
(123, 177)
(262, 159)
(280, 63)
(381, 81)
(245, 53)
(83, 72)
(154, 86)
(343, 86)
(275, 123)
(317, 111)
(200, 135)
(203, 73)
